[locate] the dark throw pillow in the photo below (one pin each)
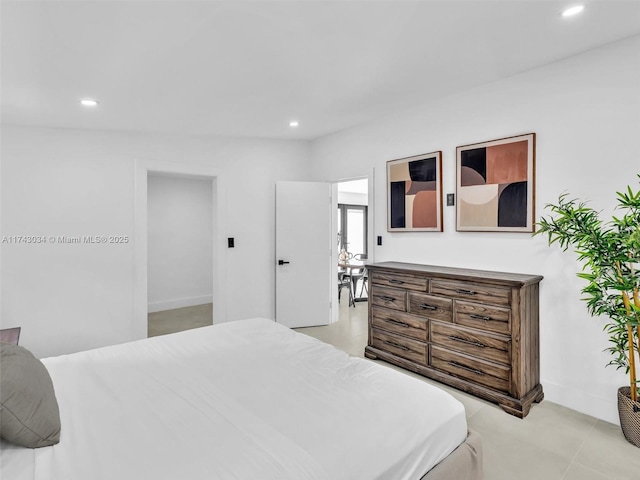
(29, 414)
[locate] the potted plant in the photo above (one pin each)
(610, 257)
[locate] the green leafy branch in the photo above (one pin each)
(610, 257)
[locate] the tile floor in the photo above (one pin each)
(552, 442)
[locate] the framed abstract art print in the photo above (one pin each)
(414, 193)
(496, 185)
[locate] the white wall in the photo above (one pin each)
(180, 241)
(58, 182)
(352, 198)
(586, 114)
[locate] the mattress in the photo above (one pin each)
(242, 400)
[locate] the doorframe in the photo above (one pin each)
(370, 177)
(140, 281)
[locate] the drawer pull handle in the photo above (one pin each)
(386, 298)
(465, 292)
(397, 282)
(464, 367)
(401, 347)
(480, 317)
(426, 306)
(395, 322)
(468, 342)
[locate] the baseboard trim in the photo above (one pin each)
(179, 303)
(602, 408)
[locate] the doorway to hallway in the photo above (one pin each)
(180, 252)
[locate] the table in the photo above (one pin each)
(351, 265)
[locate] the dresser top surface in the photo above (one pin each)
(457, 273)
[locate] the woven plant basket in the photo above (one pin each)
(629, 416)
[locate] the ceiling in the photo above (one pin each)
(247, 68)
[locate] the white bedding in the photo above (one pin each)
(242, 400)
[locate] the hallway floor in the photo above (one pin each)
(178, 319)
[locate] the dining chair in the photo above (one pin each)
(344, 281)
(355, 276)
(365, 280)
(360, 274)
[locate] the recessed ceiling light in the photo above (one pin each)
(89, 102)
(293, 123)
(571, 11)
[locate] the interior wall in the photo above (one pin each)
(352, 198)
(180, 241)
(585, 111)
(75, 183)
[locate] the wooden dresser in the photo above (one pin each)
(474, 330)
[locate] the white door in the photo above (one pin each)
(303, 253)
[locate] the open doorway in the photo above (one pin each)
(353, 242)
(179, 252)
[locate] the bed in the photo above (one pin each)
(244, 400)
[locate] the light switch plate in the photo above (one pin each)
(451, 199)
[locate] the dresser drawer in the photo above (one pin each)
(483, 317)
(469, 368)
(401, 346)
(400, 281)
(388, 297)
(486, 346)
(400, 323)
(471, 291)
(435, 308)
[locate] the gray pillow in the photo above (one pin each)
(29, 414)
